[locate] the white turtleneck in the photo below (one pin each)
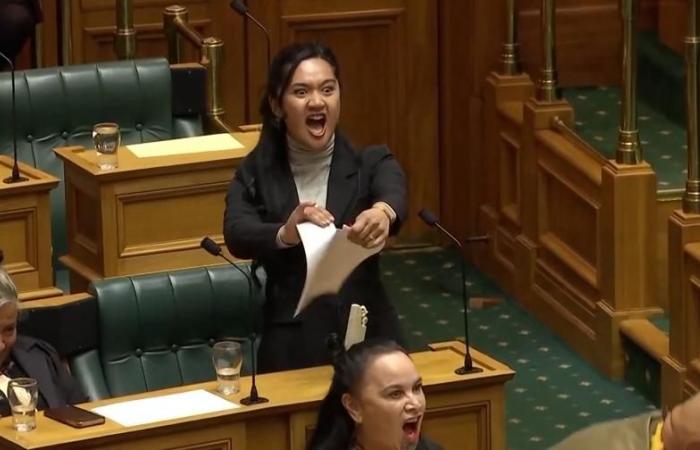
(310, 170)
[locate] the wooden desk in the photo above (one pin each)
(148, 215)
(25, 230)
(464, 413)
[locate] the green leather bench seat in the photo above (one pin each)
(58, 106)
(156, 331)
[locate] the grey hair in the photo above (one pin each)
(8, 290)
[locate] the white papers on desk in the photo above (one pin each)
(164, 407)
(196, 144)
(330, 259)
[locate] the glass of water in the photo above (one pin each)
(228, 359)
(106, 138)
(22, 393)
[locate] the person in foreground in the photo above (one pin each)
(304, 170)
(375, 402)
(679, 430)
(24, 356)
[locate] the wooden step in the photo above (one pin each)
(649, 338)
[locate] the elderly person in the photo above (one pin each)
(680, 430)
(24, 356)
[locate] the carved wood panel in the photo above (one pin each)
(588, 34)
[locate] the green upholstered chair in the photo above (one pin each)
(156, 331)
(58, 106)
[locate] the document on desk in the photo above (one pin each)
(196, 144)
(330, 259)
(164, 407)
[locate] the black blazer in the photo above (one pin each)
(261, 197)
(37, 359)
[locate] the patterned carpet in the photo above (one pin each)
(554, 392)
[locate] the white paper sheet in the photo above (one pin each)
(196, 144)
(164, 407)
(330, 259)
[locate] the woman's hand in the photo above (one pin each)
(371, 228)
(304, 212)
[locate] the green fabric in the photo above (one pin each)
(156, 331)
(58, 106)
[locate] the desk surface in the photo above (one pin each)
(129, 164)
(287, 391)
(36, 179)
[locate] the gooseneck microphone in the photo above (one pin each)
(15, 178)
(432, 220)
(215, 249)
(242, 9)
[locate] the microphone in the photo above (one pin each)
(242, 9)
(15, 178)
(215, 249)
(432, 220)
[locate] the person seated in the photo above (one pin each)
(24, 356)
(679, 430)
(375, 402)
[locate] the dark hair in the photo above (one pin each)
(280, 75)
(335, 428)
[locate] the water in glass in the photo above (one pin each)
(227, 357)
(106, 138)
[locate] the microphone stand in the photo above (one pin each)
(214, 249)
(15, 178)
(430, 219)
(243, 10)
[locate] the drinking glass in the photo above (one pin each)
(106, 138)
(228, 358)
(22, 393)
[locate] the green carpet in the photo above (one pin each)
(554, 392)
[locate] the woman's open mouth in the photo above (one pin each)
(316, 124)
(411, 429)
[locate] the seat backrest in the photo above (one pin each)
(157, 331)
(58, 106)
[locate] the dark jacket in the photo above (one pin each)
(37, 359)
(261, 197)
(427, 444)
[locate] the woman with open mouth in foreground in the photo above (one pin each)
(375, 402)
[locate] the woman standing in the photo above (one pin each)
(303, 169)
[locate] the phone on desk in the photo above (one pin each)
(74, 416)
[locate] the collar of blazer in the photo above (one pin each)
(343, 180)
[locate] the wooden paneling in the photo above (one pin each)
(463, 412)
(93, 26)
(470, 38)
(149, 214)
(588, 34)
(673, 23)
(387, 52)
(680, 375)
(25, 229)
